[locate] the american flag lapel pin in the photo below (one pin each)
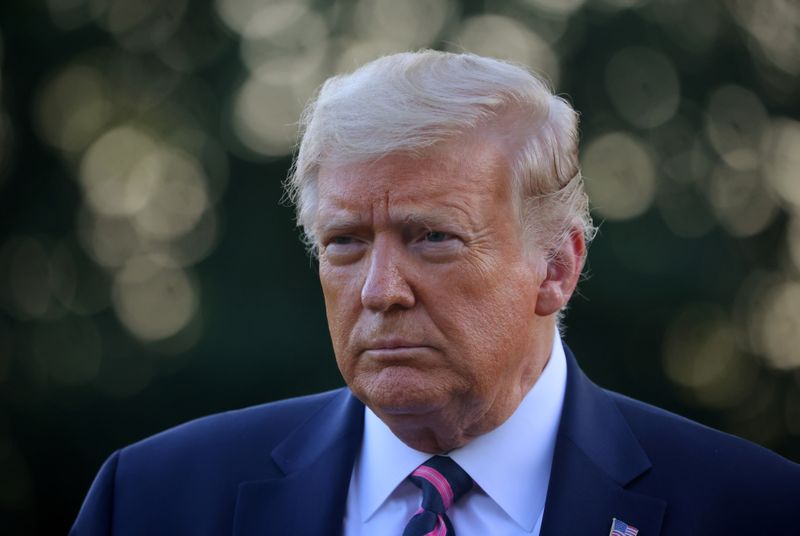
(620, 528)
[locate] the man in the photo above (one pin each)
(442, 196)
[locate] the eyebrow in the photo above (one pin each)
(427, 220)
(338, 220)
(344, 220)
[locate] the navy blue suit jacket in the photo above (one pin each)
(284, 468)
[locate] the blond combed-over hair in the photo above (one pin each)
(409, 102)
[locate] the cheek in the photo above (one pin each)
(340, 287)
(342, 301)
(486, 319)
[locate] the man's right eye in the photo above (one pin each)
(342, 249)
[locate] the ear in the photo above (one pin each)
(563, 272)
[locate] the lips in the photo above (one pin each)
(394, 344)
(395, 348)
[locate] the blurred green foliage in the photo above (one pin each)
(150, 275)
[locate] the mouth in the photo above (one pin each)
(394, 349)
(394, 343)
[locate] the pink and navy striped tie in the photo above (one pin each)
(442, 483)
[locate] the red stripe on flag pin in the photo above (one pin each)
(620, 528)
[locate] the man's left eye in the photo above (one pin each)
(437, 236)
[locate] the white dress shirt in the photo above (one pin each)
(511, 466)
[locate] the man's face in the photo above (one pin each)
(430, 294)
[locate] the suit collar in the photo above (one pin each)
(315, 462)
(592, 422)
(339, 423)
(597, 457)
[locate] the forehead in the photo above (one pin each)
(468, 175)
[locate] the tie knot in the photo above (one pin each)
(442, 482)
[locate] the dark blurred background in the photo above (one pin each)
(150, 275)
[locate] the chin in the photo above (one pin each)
(400, 391)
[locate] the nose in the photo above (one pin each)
(385, 286)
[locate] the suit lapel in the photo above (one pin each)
(315, 461)
(596, 457)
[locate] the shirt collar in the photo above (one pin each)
(497, 461)
(384, 462)
(512, 462)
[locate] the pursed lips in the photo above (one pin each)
(394, 346)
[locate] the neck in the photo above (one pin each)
(442, 430)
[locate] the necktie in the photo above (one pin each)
(442, 483)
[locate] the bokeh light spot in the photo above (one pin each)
(116, 176)
(300, 69)
(740, 202)
(109, 241)
(683, 156)
(643, 86)
(357, 52)
(410, 24)
(140, 26)
(288, 39)
(177, 197)
(275, 22)
(557, 7)
(775, 322)
(265, 117)
(236, 14)
(735, 122)
(782, 159)
(153, 301)
(793, 240)
(775, 28)
(620, 4)
(210, 154)
(701, 354)
(693, 26)
(685, 210)
(73, 107)
(620, 175)
(502, 37)
(193, 246)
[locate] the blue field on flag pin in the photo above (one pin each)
(620, 528)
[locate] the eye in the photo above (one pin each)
(342, 249)
(437, 236)
(438, 246)
(342, 240)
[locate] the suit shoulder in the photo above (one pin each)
(235, 433)
(685, 446)
(713, 482)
